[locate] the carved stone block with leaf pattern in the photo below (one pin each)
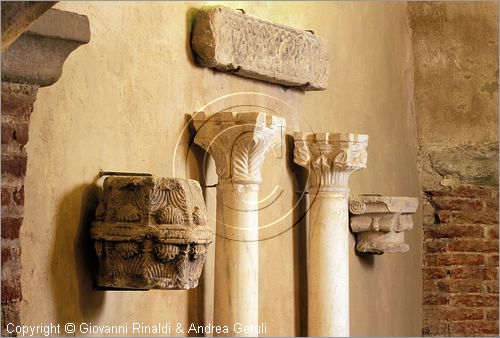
(150, 233)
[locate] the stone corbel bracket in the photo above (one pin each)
(150, 232)
(379, 222)
(234, 42)
(38, 55)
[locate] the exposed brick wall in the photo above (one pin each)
(455, 49)
(460, 287)
(17, 105)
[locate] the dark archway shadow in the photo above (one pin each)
(300, 233)
(73, 262)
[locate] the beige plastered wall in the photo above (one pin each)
(122, 104)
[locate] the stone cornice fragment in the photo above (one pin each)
(18, 15)
(38, 55)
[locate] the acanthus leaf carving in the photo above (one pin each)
(166, 252)
(333, 157)
(238, 142)
(127, 249)
(128, 213)
(248, 155)
(169, 215)
(301, 154)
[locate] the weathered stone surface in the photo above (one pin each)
(38, 55)
(455, 46)
(150, 232)
(442, 168)
(235, 42)
(18, 15)
(379, 222)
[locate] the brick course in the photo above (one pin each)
(17, 105)
(460, 262)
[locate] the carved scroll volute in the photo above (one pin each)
(150, 232)
(238, 142)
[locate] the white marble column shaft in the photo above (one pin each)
(237, 256)
(238, 142)
(331, 158)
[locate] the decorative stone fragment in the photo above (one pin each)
(380, 222)
(150, 232)
(232, 41)
(38, 55)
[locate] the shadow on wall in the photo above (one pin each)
(74, 295)
(366, 260)
(190, 15)
(196, 296)
(300, 233)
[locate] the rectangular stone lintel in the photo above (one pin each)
(232, 41)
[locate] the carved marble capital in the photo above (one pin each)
(238, 142)
(332, 157)
(150, 232)
(380, 222)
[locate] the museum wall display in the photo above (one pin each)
(141, 97)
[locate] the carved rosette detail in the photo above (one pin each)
(379, 222)
(332, 157)
(238, 142)
(149, 233)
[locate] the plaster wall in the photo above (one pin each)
(456, 72)
(122, 103)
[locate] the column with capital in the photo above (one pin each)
(330, 158)
(239, 143)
